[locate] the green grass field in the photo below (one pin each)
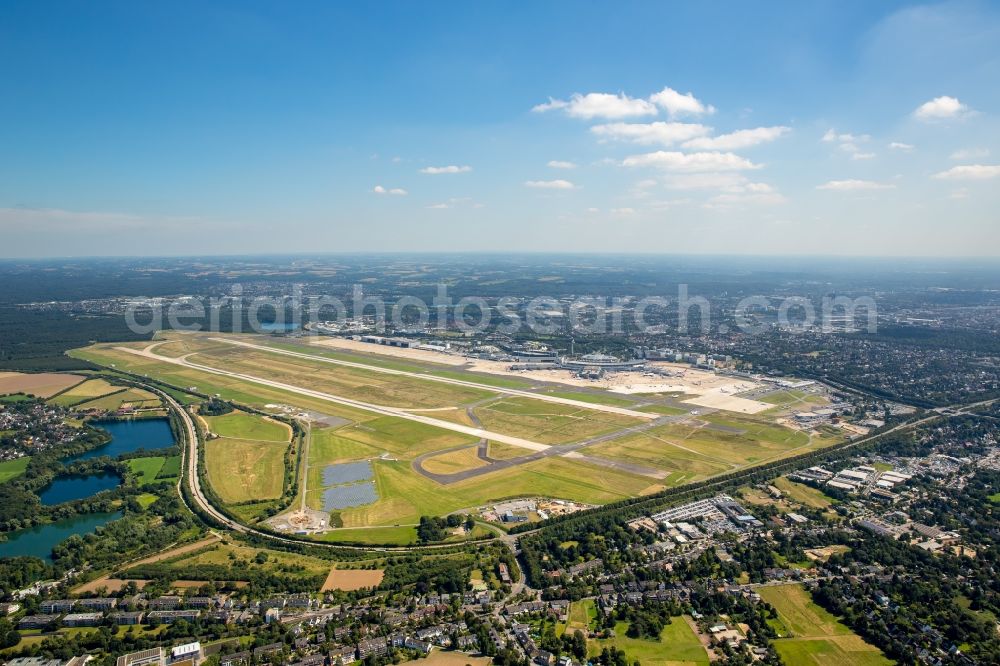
(811, 635)
(88, 390)
(10, 469)
(803, 494)
(244, 470)
(146, 469)
(678, 646)
(549, 423)
(171, 468)
(240, 425)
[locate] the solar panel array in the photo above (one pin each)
(335, 475)
(350, 495)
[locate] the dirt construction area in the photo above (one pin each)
(352, 579)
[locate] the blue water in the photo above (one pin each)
(128, 436)
(275, 327)
(69, 488)
(39, 541)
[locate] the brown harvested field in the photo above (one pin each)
(448, 658)
(40, 385)
(111, 585)
(352, 579)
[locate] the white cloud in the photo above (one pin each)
(969, 154)
(561, 164)
(739, 139)
(600, 105)
(941, 108)
(592, 210)
(970, 172)
(854, 185)
(902, 147)
(658, 132)
(550, 184)
(736, 199)
(446, 169)
(623, 211)
(706, 181)
(691, 162)
(862, 156)
(395, 191)
(831, 136)
(455, 202)
(677, 104)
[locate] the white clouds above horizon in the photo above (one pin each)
(394, 191)
(434, 171)
(561, 164)
(616, 106)
(739, 139)
(941, 108)
(902, 147)
(600, 105)
(854, 185)
(970, 172)
(677, 104)
(558, 184)
(969, 154)
(690, 162)
(659, 132)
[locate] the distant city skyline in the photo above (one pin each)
(827, 128)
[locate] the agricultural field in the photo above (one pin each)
(88, 390)
(352, 579)
(132, 397)
(811, 635)
(678, 646)
(40, 385)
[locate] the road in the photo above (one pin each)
(190, 453)
(478, 433)
(579, 404)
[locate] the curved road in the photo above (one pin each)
(190, 474)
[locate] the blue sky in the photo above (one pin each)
(858, 128)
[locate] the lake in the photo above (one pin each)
(69, 488)
(278, 327)
(38, 541)
(128, 436)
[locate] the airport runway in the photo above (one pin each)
(347, 402)
(579, 404)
